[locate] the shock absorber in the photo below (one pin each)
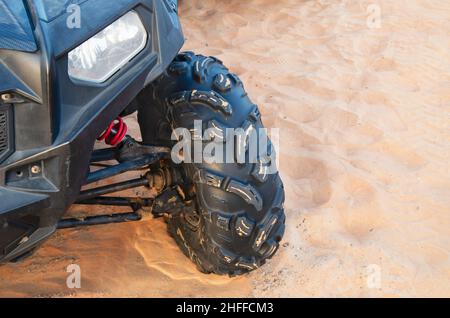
(115, 132)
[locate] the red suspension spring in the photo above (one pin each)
(115, 132)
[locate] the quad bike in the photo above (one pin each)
(69, 72)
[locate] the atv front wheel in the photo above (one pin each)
(236, 220)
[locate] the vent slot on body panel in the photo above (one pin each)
(5, 131)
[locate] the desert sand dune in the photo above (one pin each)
(363, 108)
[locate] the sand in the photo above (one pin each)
(363, 108)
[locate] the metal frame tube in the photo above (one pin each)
(92, 193)
(100, 219)
(120, 168)
(117, 201)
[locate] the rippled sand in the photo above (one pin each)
(364, 119)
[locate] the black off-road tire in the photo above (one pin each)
(236, 220)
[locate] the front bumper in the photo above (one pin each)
(40, 180)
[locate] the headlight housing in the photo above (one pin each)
(97, 59)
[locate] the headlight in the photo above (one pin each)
(105, 53)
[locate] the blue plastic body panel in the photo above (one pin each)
(16, 32)
(51, 9)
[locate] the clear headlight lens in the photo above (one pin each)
(105, 53)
